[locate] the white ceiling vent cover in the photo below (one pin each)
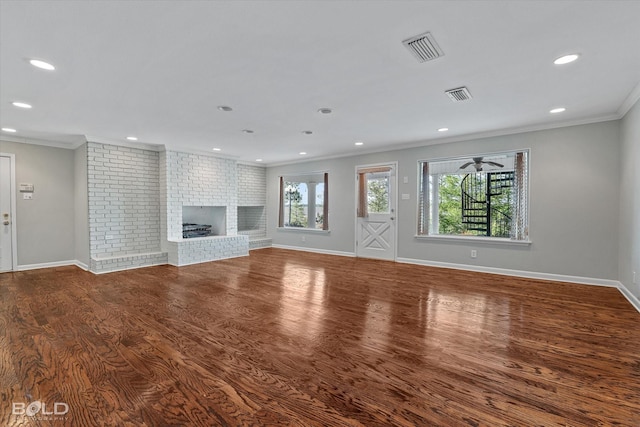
(459, 94)
(423, 47)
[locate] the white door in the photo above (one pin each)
(376, 220)
(6, 228)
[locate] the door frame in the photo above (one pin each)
(394, 188)
(13, 198)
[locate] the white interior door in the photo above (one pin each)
(376, 221)
(6, 217)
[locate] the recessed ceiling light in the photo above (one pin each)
(217, 149)
(21, 105)
(8, 130)
(247, 131)
(132, 138)
(302, 153)
(566, 59)
(307, 132)
(359, 143)
(557, 110)
(443, 129)
(225, 108)
(325, 111)
(41, 64)
(258, 160)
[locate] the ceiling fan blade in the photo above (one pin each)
(494, 164)
(466, 165)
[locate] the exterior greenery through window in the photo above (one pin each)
(303, 201)
(475, 196)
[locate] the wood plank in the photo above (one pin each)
(294, 338)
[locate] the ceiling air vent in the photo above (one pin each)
(423, 47)
(459, 94)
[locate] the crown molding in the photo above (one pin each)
(124, 143)
(74, 141)
(459, 138)
(630, 101)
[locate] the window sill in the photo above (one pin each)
(303, 230)
(475, 239)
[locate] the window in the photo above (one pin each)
(373, 190)
(475, 196)
(304, 201)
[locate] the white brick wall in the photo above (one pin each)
(252, 185)
(204, 249)
(125, 262)
(124, 202)
(196, 180)
(252, 193)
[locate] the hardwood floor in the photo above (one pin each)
(293, 338)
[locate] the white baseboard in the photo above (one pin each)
(26, 267)
(82, 265)
(532, 275)
(517, 273)
(317, 251)
(629, 296)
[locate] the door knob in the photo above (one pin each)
(392, 218)
(5, 220)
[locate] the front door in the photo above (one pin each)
(376, 212)
(6, 228)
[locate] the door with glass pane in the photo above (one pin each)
(376, 212)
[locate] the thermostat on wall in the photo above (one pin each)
(26, 188)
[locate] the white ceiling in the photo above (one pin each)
(158, 70)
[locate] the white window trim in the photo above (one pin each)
(304, 230)
(478, 239)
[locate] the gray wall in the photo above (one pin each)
(45, 225)
(81, 205)
(629, 259)
(574, 203)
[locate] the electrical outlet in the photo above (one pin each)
(304, 238)
(474, 253)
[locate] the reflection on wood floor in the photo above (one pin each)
(293, 338)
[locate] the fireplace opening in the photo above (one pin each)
(203, 221)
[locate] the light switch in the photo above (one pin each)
(27, 196)
(26, 188)
(405, 179)
(405, 196)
